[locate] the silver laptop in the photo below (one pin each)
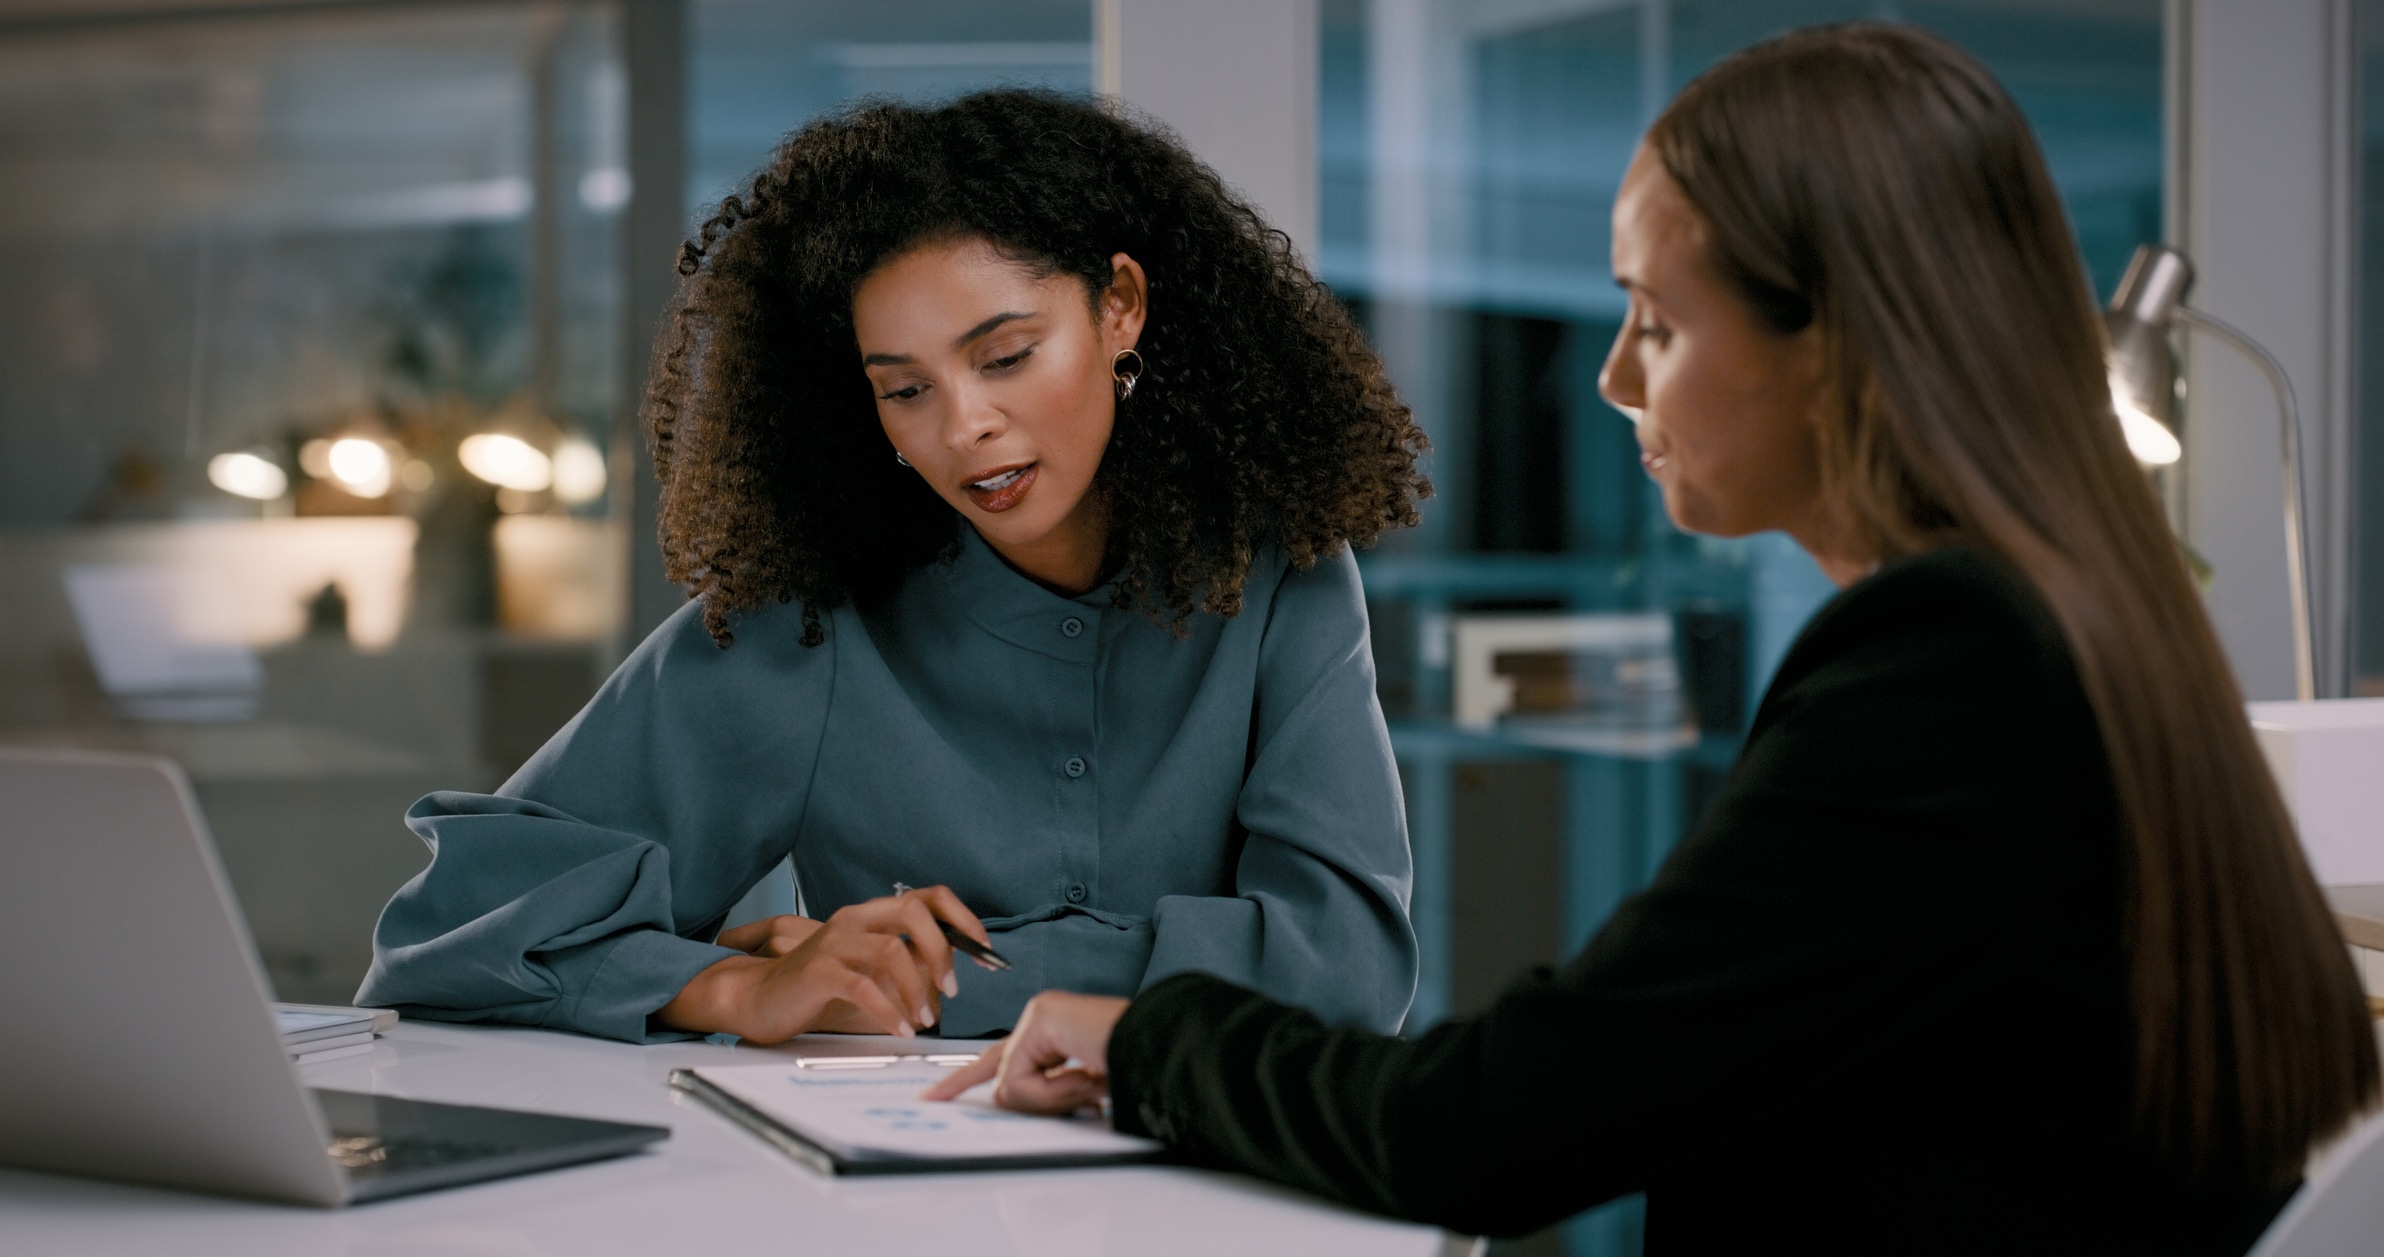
(135, 1041)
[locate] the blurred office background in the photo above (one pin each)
(322, 326)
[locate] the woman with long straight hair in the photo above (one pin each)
(1999, 938)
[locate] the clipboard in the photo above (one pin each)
(825, 1138)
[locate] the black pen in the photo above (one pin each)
(962, 943)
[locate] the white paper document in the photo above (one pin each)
(873, 1114)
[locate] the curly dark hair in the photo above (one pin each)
(1262, 417)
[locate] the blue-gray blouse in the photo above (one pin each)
(1118, 803)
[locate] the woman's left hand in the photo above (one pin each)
(1056, 1061)
(770, 937)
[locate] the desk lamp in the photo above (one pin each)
(2150, 300)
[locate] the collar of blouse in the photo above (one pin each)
(1021, 612)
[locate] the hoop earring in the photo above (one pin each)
(900, 459)
(1126, 380)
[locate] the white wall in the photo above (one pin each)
(1235, 78)
(2260, 197)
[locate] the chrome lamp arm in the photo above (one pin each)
(2305, 670)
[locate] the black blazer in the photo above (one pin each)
(1876, 1002)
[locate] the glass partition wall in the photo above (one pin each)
(314, 437)
(308, 325)
(758, 69)
(2367, 536)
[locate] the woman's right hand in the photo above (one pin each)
(1055, 1062)
(872, 968)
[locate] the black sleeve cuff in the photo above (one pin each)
(1166, 1029)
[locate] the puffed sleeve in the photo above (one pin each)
(1319, 917)
(584, 893)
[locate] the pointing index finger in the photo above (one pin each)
(951, 1085)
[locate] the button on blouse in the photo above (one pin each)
(1225, 802)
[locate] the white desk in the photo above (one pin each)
(711, 1189)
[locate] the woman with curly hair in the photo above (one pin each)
(1014, 465)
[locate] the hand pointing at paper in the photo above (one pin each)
(1056, 1061)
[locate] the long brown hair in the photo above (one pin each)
(1876, 181)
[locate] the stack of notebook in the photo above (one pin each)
(312, 1033)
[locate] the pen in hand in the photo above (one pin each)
(962, 943)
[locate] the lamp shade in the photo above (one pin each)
(2143, 367)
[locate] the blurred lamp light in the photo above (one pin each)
(2151, 300)
(248, 475)
(579, 472)
(2143, 368)
(361, 466)
(506, 462)
(2150, 440)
